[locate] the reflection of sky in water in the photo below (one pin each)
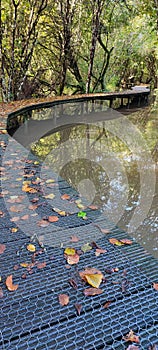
(104, 186)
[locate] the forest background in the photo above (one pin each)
(57, 47)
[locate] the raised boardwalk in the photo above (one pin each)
(31, 316)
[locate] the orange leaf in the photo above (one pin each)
(155, 286)
(17, 208)
(24, 264)
(131, 337)
(115, 241)
(53, 218)
(63, 299)
(2, 248)
(9, 283)
(65, 196)
(25, 217)
(93, 207)
(92, 291)
(73, 259)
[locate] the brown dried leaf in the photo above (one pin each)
(73, 283)
(115, 241)
(41, 265)
(73, 259)
(107, 304)
(53, 218)
(131, 337)
(155, 286)
(74, 239)
(92, 276)
(93, 207)
(25, 217)
(43, 223)
(78, 308)
(1, 292)
(9, 283)
(132, 347)
(100, 251)
(2, 248)
(92, 291)
(17, 208)
(125, 241)
(63, 299)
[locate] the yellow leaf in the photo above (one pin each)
(24, 264)
(94, 279)
(49, 181)
(31, 248)
(14, 229)
(50, 196)
(69, 251)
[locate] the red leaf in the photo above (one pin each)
(78, 308)
(63, 299)
(92, 291)
(2, 248)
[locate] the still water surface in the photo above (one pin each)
(112, 162)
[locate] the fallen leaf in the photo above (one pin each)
(100, 251)
(9, 283)
(78, 308)
(16, 267)
(2, 248)
(65, 196)
(92, 276)
(50, 196)
(24, 264)
(155, 286)
(153, 347)
(92, 291)
(82, 214)
(53, 218)
(107, 304)
(115, 241)
(63, 299)
(43, 223)
(25, 217)
(94, 280)
(125, 241)
(69, 251)
(14, 229)
(74, 239)
(1, 292)
(86, 247)
(73, 259)
(93, 207)
(15, 218)
(132, 347)
(131, 337)
(24, 275)
(41, 265)
(60, 212)
(31, 248)
(33, 207)
(29, 189)
(49, 181)
(17, 208)
(73, 283)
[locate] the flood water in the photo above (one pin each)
(110, 158)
